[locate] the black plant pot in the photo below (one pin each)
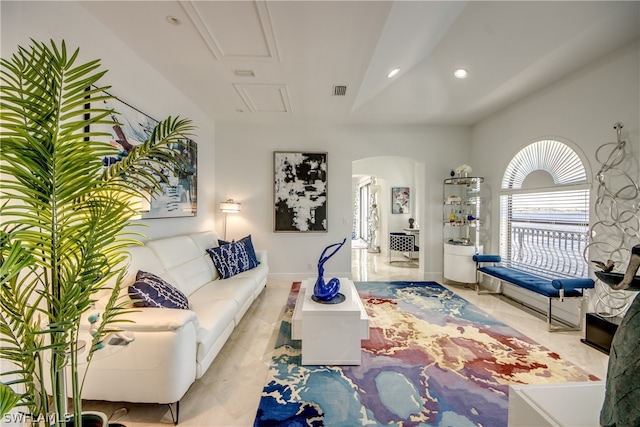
(90, 419)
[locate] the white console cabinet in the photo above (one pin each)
(458, 262)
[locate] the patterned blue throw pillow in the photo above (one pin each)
(150, 290)
(233, 258)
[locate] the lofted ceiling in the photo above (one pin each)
(283, 61)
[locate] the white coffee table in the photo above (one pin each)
(330, 333)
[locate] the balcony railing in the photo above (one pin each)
(548, 252)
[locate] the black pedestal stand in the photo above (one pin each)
(600, 332)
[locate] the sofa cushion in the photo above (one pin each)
(238, 289)
(214, 318)
(185, 261)
(258, 275)
(217, 305)
(234, 257)
(204, 240)
(150, 290)
(174, 251)
(192, 275)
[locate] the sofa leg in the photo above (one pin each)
(175, 418)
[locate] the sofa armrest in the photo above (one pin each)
(261, 254)
(151, 319)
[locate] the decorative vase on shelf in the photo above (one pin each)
(463, 171)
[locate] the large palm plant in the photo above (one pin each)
(65, 217)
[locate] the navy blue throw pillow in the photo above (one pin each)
(233, 258)
(150, 290)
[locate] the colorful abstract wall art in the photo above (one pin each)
(400, 198)
(179, 187)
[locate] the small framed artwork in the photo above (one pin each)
(300, 191)
(131, 127)
(400, 199)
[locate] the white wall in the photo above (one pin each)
(132, 80)
(244, 171)
(581, 109)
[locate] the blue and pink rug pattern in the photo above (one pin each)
(433, 359)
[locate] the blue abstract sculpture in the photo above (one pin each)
(325, 292)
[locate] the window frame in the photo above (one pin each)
(564, 252)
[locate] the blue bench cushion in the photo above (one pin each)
(487, 258)
(546, 287)
(571, 284)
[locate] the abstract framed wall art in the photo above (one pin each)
(400, 199)
(300, 191)
(178, 196)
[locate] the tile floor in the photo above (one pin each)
(229, 393)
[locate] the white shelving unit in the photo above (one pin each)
(462, 220)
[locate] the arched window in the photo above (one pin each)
(544, 211)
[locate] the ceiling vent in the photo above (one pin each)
(339, 90)
(244, 73)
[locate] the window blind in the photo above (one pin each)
(545, 231)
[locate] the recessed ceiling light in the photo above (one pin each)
(173, 20)
(393, 72)
(461, 73)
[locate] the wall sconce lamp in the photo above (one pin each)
(228, 207)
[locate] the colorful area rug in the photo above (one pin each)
(433, 359)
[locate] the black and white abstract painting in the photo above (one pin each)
(300, 191)
(178, 197)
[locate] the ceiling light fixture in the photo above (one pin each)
(393, 72)
(173, 20)
(461, 73)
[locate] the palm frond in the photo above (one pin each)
(60, 205)
(8, 399)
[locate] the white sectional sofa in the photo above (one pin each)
(174, 347)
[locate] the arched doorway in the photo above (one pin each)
(380, 175)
